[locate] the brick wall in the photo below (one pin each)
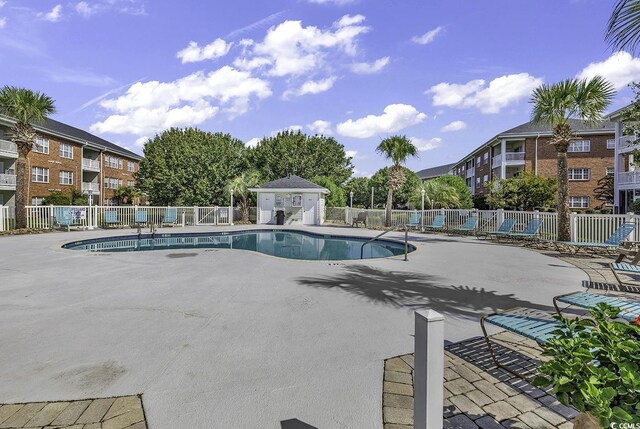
(115, 173)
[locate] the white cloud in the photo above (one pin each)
(294, 128)
(289, 49)
(320, 127)
(141, 141)
(194, 53)
(620, 69)
(2, 3)
(255, 25)
(351, 153)
(80, 77)
(423, 144)
(86, 10)
(454, 126)
(128, 7)
(336, 2)
(369, 68)
(394, 118)
(3, 22)
(491, 98)
(253, 142)
(54, 15)
(311, 87)
(359, 173)
(427, 37)
(153, 106)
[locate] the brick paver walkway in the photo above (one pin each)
(123, 412)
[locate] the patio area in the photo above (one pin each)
(228, 338)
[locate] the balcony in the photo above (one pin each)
(8, 149)
(90, 164)
(8, 182)
(471, 171)
(511, 158)
(90, 187)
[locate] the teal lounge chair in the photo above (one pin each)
(530, 232)
(140, 217)
(629, 309)
(64, 217)
(170, 217)
(623, 267)
(110, 218)
(503, 230)
(612, 243)
(437, 223)
(414, 220)
(469, 226)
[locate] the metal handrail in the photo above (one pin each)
(393, 228)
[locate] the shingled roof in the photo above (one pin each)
(576, 125)
(430, 173)
(291, 182)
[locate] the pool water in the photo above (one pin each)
(281, 243)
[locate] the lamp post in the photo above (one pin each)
(422, 216)
(351, 201)
(90, 215)
(372, 188)
(231, 208)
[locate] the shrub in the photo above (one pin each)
(635, 206)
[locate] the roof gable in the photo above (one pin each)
(291, 182)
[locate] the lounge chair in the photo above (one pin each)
(437, 223)
(530, 232)
(414, 220)
(140, 217)
(629, 309)
(110, 218)
(623, 267)
(360, 219)
(170, 217)
(64, 217)
(469, 226)
(504, 230)
(611, 243)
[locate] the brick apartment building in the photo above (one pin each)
(65, 158)
(527, 147)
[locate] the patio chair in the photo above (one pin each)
(529, 233)
(629, 309)
(170, 217)
(437, 223)
(504, 229)
(623, 267)
(469, 226)
(140, 217)
(611, 243)
(110, 218)
(414, 220)
(64, 217)
(360, 219)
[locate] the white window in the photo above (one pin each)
(66, 150)
(120, 164)
(611, 143)
(611, 171)
(131, 183)
(579, 202)
(578, 174)
(580, 146)
(41, 145)
(478, 161)
(131, 166)
(40, 174)
(112, 162)
(37, 201)
(486, 158)
(66, 178)
(477, 180)
(119, 183)
(485, 178)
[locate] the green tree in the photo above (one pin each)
(554, 105)
(402, 195)
(190, 167)
(464, 193)
(240, 186)
(397, 149)
(58, 198)
(623, 29)
(26, 107)
(337, 197)
(631, 122)
(361, 188)
(437, 195)
(127, 193)
(300, 154)
(526, 191)
(605, 190)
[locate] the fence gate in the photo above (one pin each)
(207, 215)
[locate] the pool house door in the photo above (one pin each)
(309, 202)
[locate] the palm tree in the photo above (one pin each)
(25, 106)
(437, 195)
(623, 29)
(240, 187)
(397, 149)
(554, 105)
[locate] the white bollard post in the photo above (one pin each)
(1, 218)
(429, 370)
(573, 226)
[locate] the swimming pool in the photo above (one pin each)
(281, 243)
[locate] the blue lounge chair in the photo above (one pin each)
(468, 227)
(64, 217)
(623, 267)
(503, 230)
(611, 243)
(414, 220)
(437, 223)
(140, 217)
(111, 218)
(530, 232)
(170, 217)
(629, 309)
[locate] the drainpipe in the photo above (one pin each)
(536, 155)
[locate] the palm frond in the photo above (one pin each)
(397, 149)
(592, 99)
(623, 29)
(24, 105)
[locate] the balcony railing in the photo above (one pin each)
(90, 164)
(8, 148)
(88, 186)
(510, 158)
(8, 181)
(629, 178)
(471, 171)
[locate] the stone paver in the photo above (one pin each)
(124, 412)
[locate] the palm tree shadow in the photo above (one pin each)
(415, 291)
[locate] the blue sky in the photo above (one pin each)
(450, 74)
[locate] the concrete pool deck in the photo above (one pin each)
(228, 338)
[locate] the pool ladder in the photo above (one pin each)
(393, 228)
